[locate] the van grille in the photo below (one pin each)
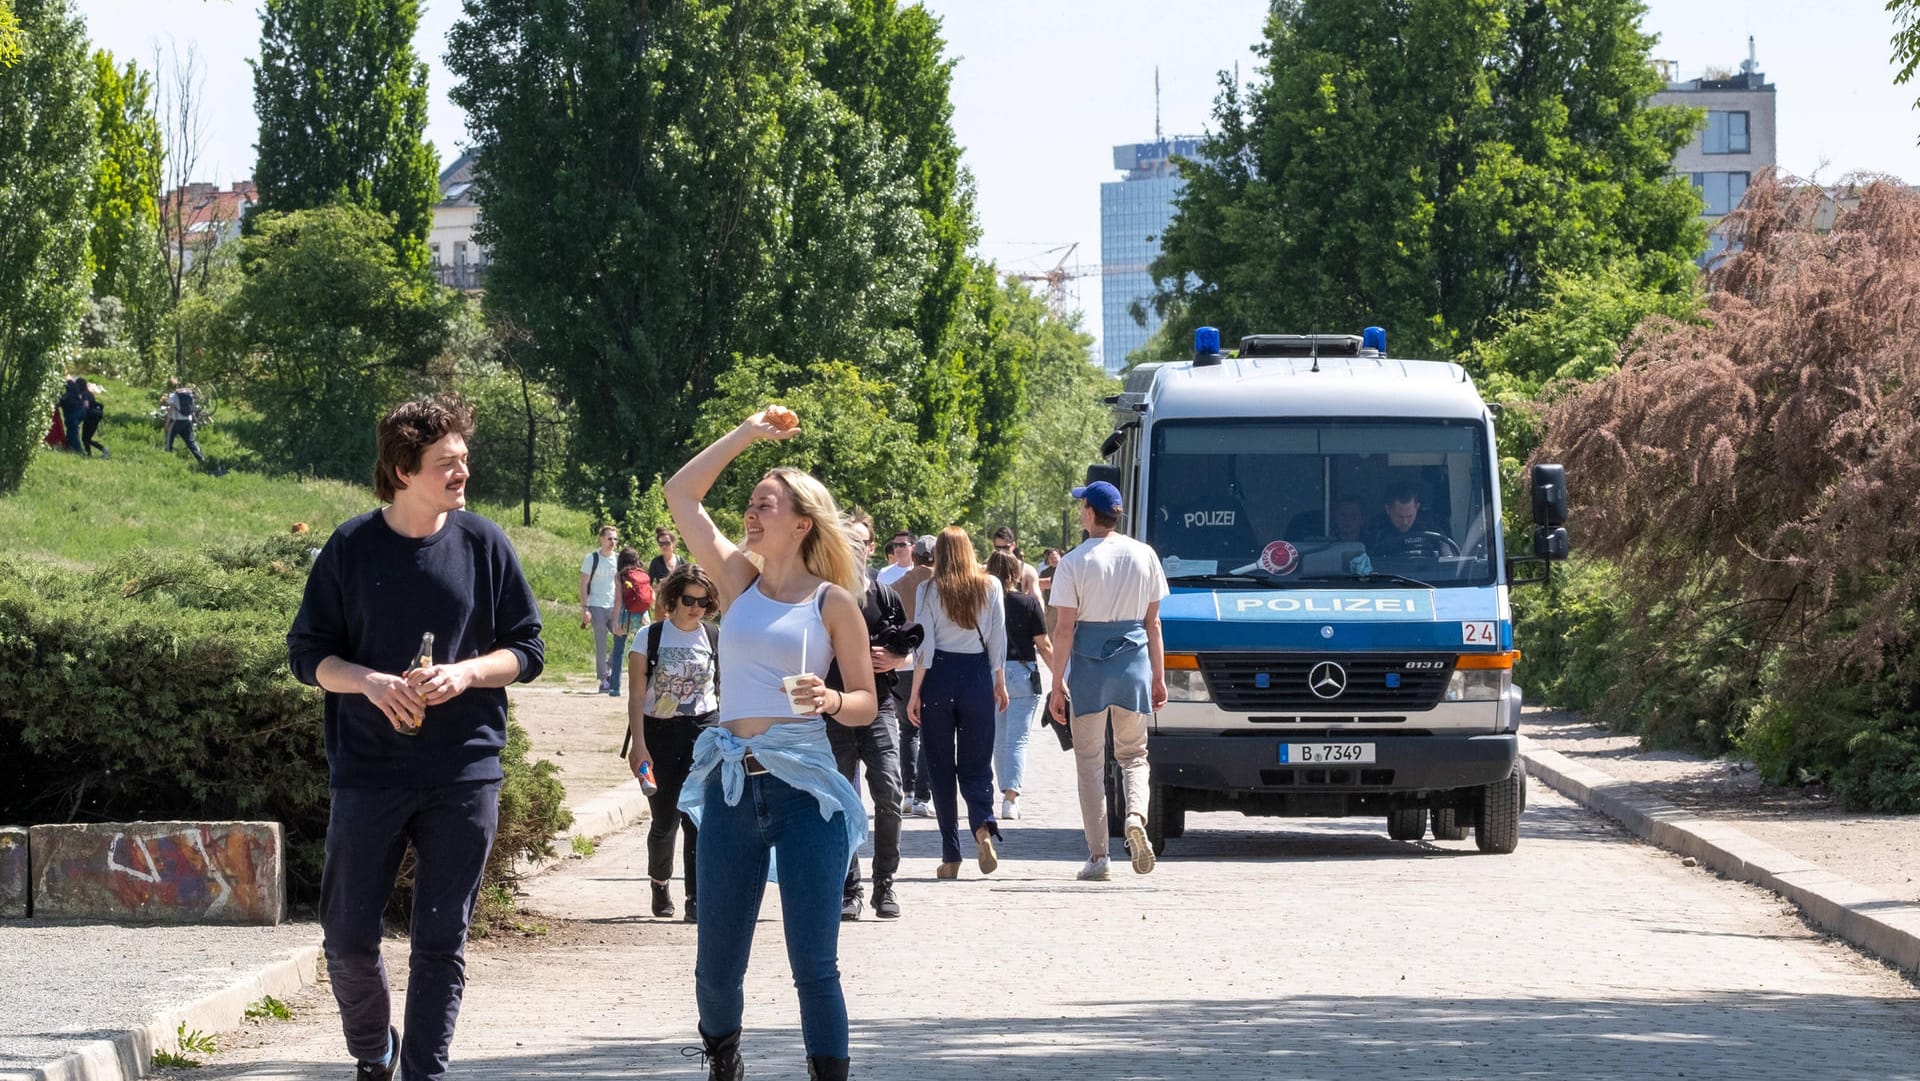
(1234, 680)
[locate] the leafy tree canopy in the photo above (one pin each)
(342, 101)
(47, 155)
(125, 241)
(1428, 165)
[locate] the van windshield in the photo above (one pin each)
(1320, 501)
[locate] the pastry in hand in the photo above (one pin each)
(779, 416)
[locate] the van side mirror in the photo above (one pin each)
(1109, 473)
(1550, 544)
(1549, 496)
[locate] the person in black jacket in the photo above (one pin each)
(877, 744)
(413, 738)
(73, 409)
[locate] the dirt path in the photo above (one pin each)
(1879, 851)
(576, 729)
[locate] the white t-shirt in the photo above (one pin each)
(600, 586)
(890, 573)
(1108, 579)
(682, 684)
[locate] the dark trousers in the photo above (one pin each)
(913, 760)
(956, 730)
(875, 746)
(670, 742)
(451, 830)
(72, 419)
(183, 429)
(87, 428)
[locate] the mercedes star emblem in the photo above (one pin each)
(1327, 680)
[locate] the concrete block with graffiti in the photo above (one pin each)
(14, 890)
(159, 872)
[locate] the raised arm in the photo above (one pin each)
(689, 487)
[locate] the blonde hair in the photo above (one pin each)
(957, 575)
(826, 551)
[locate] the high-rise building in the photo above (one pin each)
(1134, 211)
(1737, 143)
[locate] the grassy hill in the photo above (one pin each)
(79, 511)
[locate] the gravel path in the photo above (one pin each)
(1878, 851)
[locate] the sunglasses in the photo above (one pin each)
(1003, 547)
(697, 602)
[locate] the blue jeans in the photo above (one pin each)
(734, 842)
(1012, 726)
(956, 733)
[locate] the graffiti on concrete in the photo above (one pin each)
(173, 872)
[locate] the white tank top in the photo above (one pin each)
(763, 641)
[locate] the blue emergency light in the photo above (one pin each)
(1206, 346)
(1374, 338)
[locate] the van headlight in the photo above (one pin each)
(1184, 681)
(1477, 685)
(1187, 685)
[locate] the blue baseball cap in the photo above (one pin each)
(1104, 498)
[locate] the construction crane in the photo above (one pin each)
(1058, 277)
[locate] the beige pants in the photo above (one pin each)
(1090, 762)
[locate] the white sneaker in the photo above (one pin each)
(1138, 847)
(923, 808)
(1095, 870)
(1009, 810)
(906, 805)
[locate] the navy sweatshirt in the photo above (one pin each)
(370, 595)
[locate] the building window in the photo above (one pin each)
(1726, 133)
(1722, 191)
(433, 253)
(460, 252)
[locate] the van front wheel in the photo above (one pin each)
(1447, 825)
(1407, 823)
(1498, 830)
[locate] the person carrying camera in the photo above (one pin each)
(877, 744)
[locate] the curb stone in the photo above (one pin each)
(1884, 926)
(125, 1055)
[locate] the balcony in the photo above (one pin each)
(466, 277)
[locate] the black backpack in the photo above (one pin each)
(183, 403)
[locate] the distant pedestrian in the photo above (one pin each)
(91, 417)
(1004, 541)
(179, 404)
(877, 746)
(666, 562)
(598, 574)
(899, 558)
(73, 409)
(413, 741)
(56, 436)
(676, 695)
(633, 596)
(959, 680)
(1108, 593)
(764, 784)
(913, 757)
(1049, 560)
(1027, 646)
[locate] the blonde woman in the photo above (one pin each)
(959, 683)
(763, 787)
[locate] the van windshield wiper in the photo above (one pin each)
(1371, 578)
(1229, 579)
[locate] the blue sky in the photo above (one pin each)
(1044, 90)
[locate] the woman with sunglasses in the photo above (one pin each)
(676, 693)
(764, 787)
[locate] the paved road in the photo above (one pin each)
(1258, 949)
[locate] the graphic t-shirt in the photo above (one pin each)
(600, 586)
(682, 684)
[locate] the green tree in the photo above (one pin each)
(1428, 165)
(342, 101)
(1062, 427)
(670, 188)
(325, 330)
(47, 155)
(9, 36)
(125, 244)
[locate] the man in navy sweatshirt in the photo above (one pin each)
(413, 742)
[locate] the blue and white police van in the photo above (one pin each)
(1338, 640)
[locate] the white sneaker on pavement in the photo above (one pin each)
(1138, 847)
(1095, 871)
(1009, 810)
(923, 808)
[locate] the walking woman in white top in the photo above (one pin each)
(764, 788)
(958, 685)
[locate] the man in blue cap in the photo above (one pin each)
(1107, 593)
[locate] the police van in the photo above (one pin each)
(1338, 639)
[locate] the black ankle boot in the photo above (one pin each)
(723, 1057)
(662, 901)
(822, 1068)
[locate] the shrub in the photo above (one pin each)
(157, 687)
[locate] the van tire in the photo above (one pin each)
(1407, 823)
(1498, 830)
(1447, 825)
(1162, 805)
